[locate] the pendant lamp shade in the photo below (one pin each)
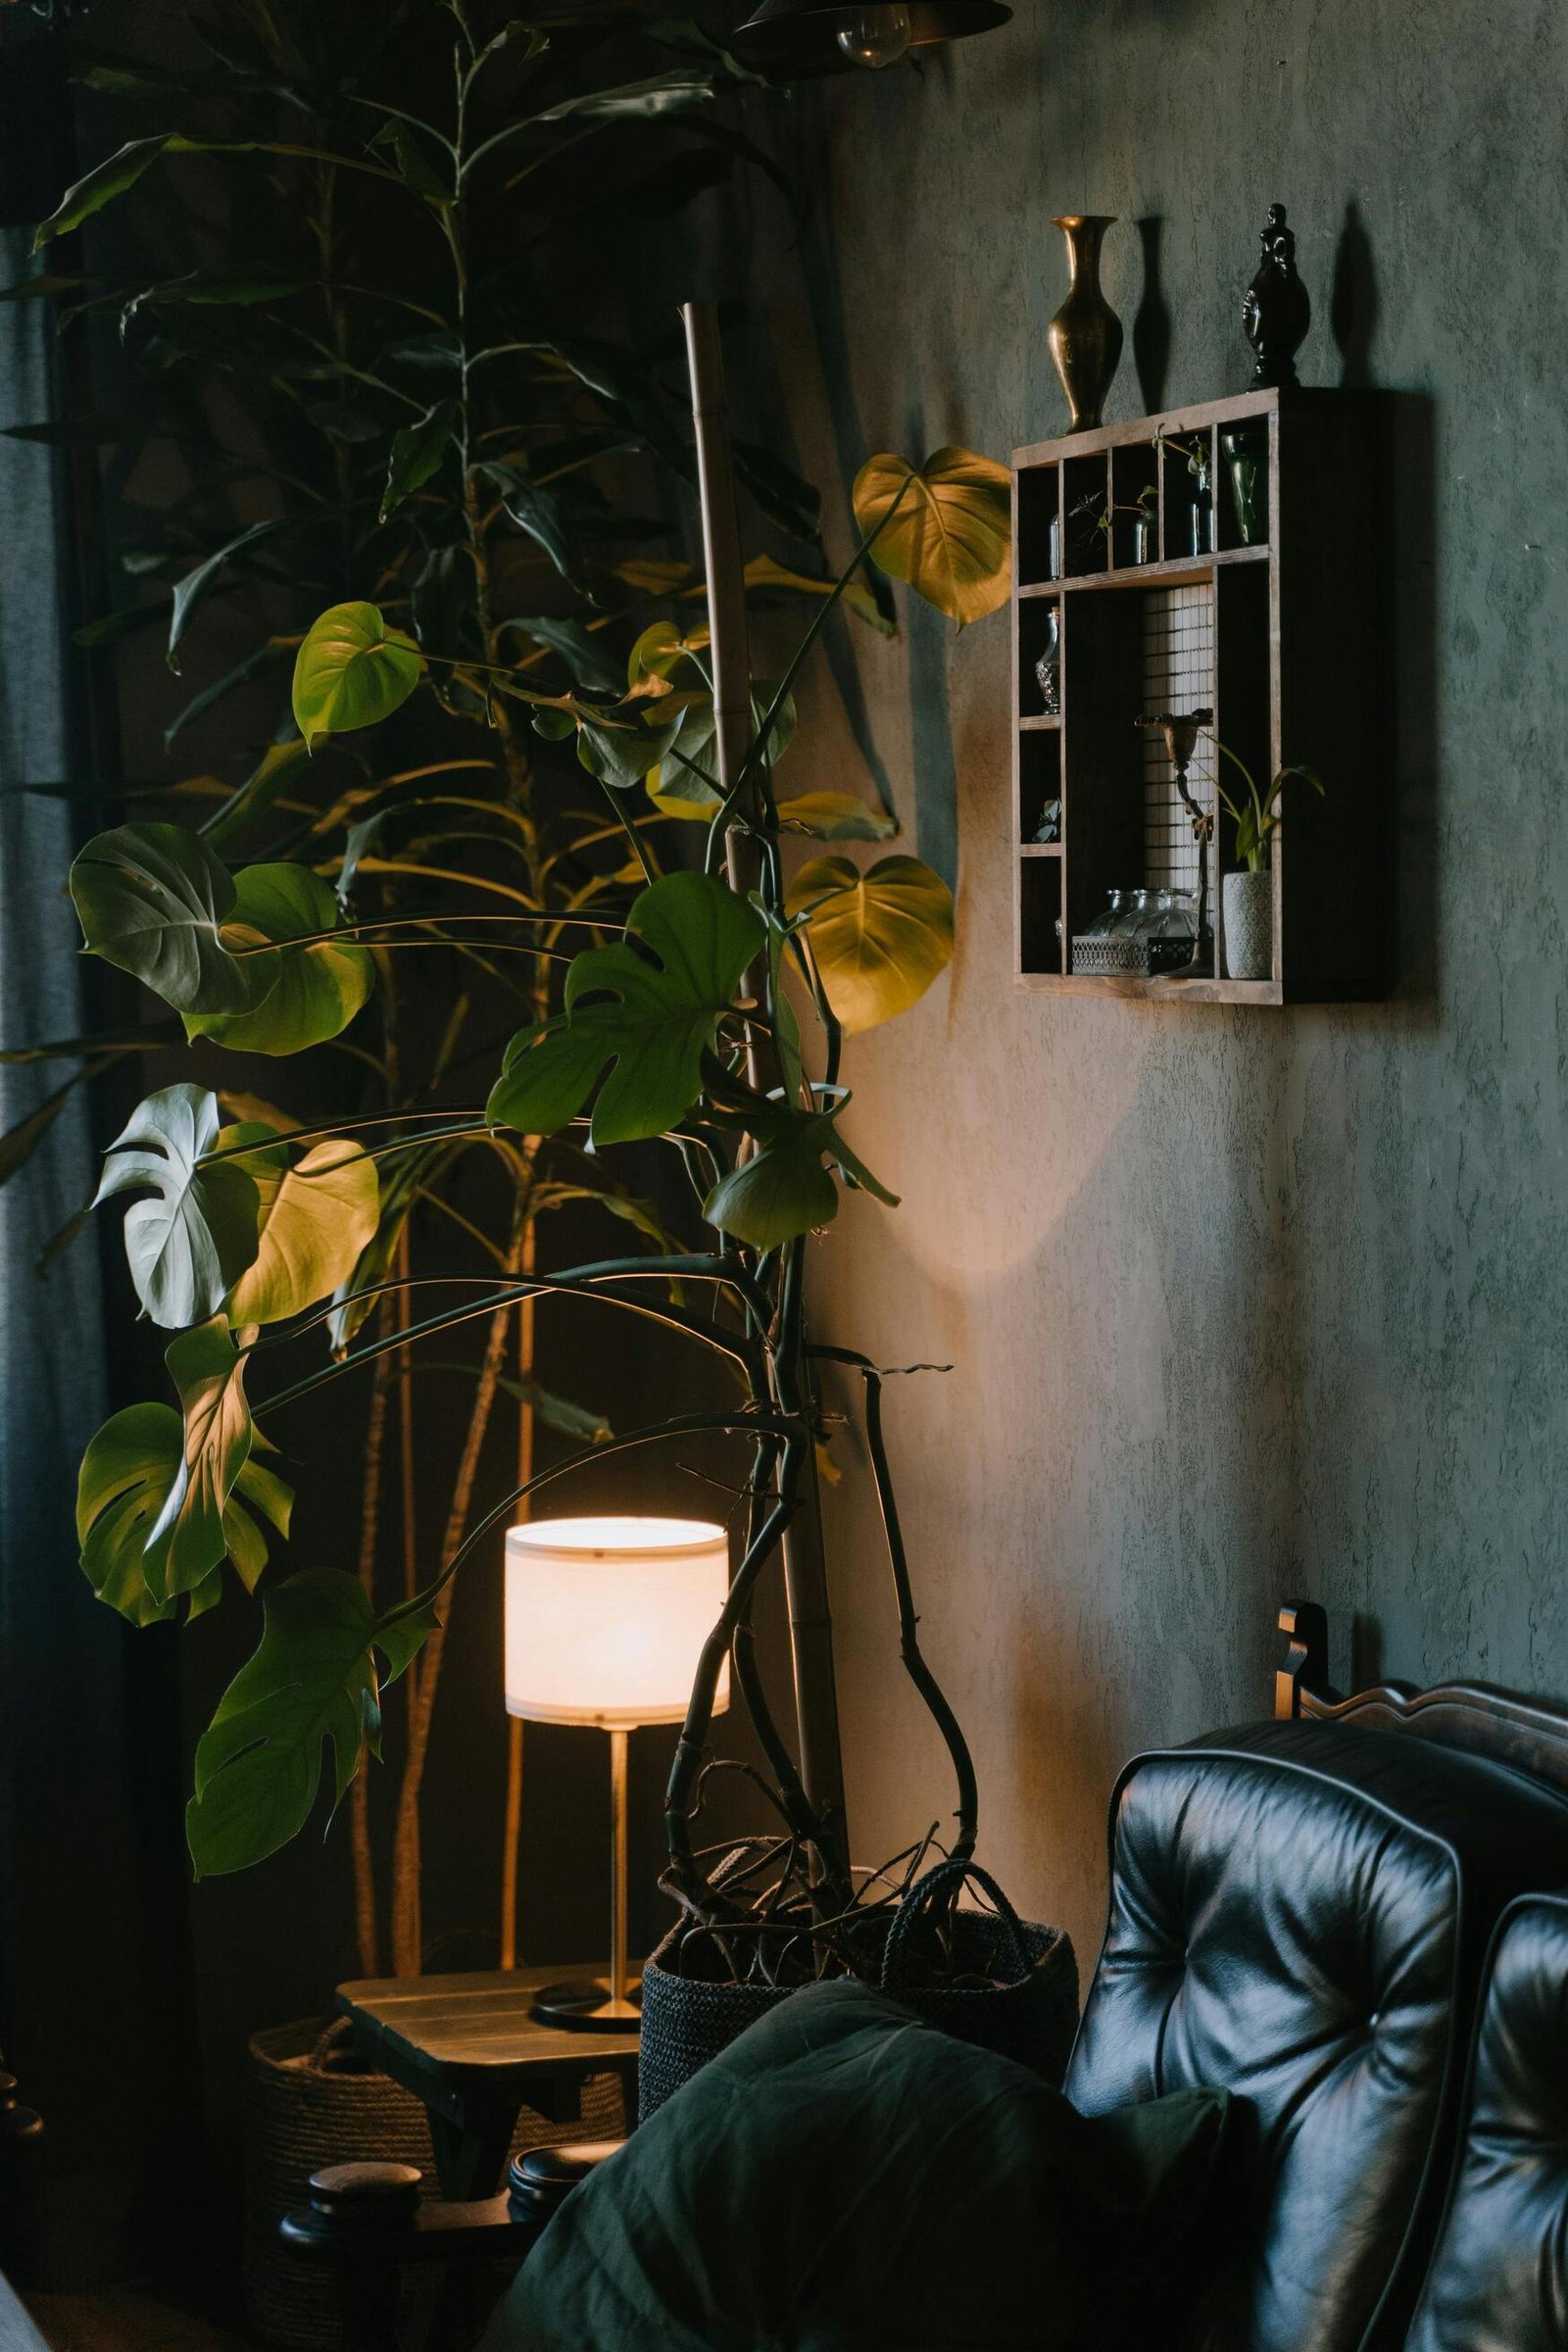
(605, 1618)
(826, 36)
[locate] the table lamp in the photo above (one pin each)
(605, 1622)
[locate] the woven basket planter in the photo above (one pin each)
(310, 2101)
(1021, 1998)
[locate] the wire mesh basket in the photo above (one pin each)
(1134, 958)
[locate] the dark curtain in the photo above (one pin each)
(91, 1896)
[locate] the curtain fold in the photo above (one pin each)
(92, 1901)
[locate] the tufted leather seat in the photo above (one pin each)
(1498, 2280)
(1298, 1913)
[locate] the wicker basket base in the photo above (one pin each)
(309, 2102)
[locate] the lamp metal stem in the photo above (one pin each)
(619, 1743)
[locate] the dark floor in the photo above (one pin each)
(126, 2320)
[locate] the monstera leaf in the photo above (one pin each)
(313, 1682)
(197, 1235)
(187, 1539)
(301, 995)
(316, 1214)
(784, 1189)
(127, 1474)
(153, 900)
(950, 529)
(646, 1023)
(351, 672)
(879, 938)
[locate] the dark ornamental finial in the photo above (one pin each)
(1276, 311)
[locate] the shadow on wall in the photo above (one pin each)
(1152, 322)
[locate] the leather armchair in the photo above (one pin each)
(1498, 2281)
(1299, 1913)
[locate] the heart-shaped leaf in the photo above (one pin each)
(153, 900)
(125, 1479)
(352, 672)
(311, 1683)
(784, 1189)
(197, 1235)
(879, 938)
(835, 817)
(646, 1023)
(187, 1539)
(301, 996)
(317, 1216)
(951, 529)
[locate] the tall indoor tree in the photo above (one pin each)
(416, 424)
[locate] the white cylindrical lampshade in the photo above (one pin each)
(605, 1618)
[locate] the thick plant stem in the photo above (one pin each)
(804, 1560)
(407, 1908)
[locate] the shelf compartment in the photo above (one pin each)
(1040, 943)
(1135, 486)
(1252, 445)
(1085, 503)
(1039, 777)
(1039, 505)
(1034, 627)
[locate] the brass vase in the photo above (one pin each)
(1085, 334)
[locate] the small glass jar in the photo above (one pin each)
(1139, 922)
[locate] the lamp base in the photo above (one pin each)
(589, 2005)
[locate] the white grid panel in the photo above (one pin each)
(1178, 675)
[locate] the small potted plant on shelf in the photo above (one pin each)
(1248, 896)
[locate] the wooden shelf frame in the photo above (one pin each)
(1299, 625)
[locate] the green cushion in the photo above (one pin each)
(846, 2177)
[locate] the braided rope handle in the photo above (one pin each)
(960, 1869)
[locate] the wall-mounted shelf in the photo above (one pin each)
(1277, 627)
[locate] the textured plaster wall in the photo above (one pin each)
(1239, 1303)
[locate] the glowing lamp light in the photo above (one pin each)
(605, 1622)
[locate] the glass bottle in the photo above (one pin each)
(1105, 923)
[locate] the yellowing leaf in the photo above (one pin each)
(879, 938)
(950, 529)
(316, 1216)
(351, 672)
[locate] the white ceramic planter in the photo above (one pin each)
(1248, 907)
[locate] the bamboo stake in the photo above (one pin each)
(804, 1562)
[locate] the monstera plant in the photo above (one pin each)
(401, 399)
(408, 853)
(264, 1238)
